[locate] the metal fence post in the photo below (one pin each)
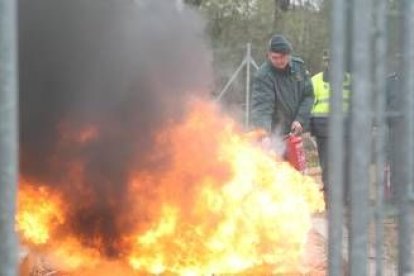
(248, 58)
(247, 61)
(403, 150)
(336, 134)
(8, 137)
(231, 80)
(361, 125)
(380, 151)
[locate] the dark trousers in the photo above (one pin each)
(319, 129)
(322, 144)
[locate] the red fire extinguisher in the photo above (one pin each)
(295, 153)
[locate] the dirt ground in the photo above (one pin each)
(320, 223)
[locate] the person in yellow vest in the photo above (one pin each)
(320, 114)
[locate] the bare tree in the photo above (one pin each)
(280, 7)
(283, 4)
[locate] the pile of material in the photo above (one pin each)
(314, 259)
(35, 265)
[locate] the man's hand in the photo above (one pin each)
(296, 128)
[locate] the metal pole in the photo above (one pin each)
(232, 78)
(8, 137)
(254, 63)
(410, 17)
(404, 167)
(248, 59)
(361, 118)
(336, 139)
(380, 82)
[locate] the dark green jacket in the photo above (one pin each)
(280, 97)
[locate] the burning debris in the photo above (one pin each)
(127, 167)
(220, 204)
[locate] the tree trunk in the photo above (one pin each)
(281, 6)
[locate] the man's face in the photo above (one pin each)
(278, 60)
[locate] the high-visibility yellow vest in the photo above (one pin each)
(322, 91)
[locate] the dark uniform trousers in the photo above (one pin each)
(319, 129)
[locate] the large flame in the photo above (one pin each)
(217, 203)
(40, 212)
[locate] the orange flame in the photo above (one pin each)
(217, 204)
(40, 212)
(247, 212)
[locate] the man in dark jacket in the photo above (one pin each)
(282, 93)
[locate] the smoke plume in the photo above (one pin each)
(98, 79)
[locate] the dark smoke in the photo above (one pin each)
(125, 67)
